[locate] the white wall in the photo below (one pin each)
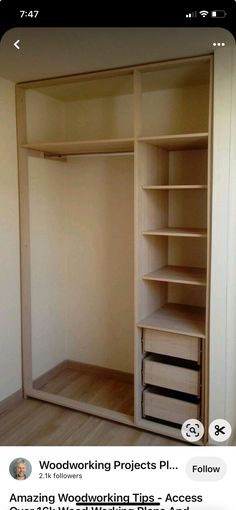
(10, 343)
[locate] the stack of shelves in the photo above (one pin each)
(173, 243)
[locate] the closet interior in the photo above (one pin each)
(115, 198)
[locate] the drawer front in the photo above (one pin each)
(172, 377)
(169, 409)
(171, 344)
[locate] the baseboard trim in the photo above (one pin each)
(45, 378)
(102, 371)
(8, 403)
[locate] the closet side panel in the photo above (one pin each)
(100, 261)
(231, 277)
(47, 246)
(220, 231)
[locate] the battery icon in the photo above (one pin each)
(218, 14)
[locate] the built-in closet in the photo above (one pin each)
(115, 210)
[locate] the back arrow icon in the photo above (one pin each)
(16, 44)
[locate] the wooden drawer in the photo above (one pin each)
(168, 408)
(170, 376)
(171, 344)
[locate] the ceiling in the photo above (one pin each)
(48, 52)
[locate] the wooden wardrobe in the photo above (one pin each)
(115, 213)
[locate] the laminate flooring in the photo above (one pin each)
(36, 423)
(97, 388)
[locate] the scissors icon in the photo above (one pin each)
(219, 430)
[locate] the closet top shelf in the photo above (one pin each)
(83, 147)
(178, 142)
(170, 142)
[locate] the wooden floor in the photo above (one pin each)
(36, 423)
(97, 388)
(33, 423)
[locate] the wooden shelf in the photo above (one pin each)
(178, 142)
(178, 274)
(174, 231)
(187, 320)
(83, 147)
(175, 186)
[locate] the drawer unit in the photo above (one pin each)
(171, 344)
(171, 376)
(168, 408)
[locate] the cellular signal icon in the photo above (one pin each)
(191, 14)
(203, 13)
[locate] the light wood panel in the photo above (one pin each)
(152, 163)
(184, 232)
(178, 142)
(206, 349)
(99, 255)
(170, 344)
(181, 110)
(83, 147)
(23, 180)
(185, 251)
(170, 376)
(178, 274)
(176, 186)
(94, 75)
(154, 169)
(187, 320)
(137, 240)
(187, 208)
(188, 168)
(90, 88)
(176, 76)
(170, 409)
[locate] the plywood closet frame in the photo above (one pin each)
(62, 149)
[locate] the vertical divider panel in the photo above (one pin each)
(24, 242)
(205, 367)
(137, 248)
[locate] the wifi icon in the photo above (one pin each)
(203, 13)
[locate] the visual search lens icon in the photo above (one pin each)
(204, 13)
(192, 430)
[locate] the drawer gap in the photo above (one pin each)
(172, 360)
(178, 395)
(163, 422)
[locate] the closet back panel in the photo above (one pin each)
(181, 110)
(45, 118)
(82, 262)
(95, 109)
(99, 118)
(100, 261)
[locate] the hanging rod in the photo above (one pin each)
(85, 155)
